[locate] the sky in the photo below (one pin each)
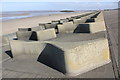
(60, 0)
(29, 5)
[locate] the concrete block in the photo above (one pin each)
(76, 57)
(50, 25)
(46, 34)
(67, 27)
(26, 35)
(19, 48)
(100, 17)
(37, 28)
(42, 26)
(6, 38)
(90, 27)
(24, 29)
(78, 21)
(56, 22)
(64, 20)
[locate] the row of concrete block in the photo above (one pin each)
(77, 55)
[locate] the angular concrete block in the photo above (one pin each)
(6, 38)
(19, 47)
(90, 27)
(76, 57)
(37, 28)
(67, 27)
(42, 26)
(78, 21)
(46, 34)
(64, 20)
(26, 35)
(100, 17)
(24, 29)
(56, 22)
(50, 25)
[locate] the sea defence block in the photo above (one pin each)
(24, 29)
(55, 22)
(26, 35)
(100, 17)
(6, 38)
(37, 28)
(76, 57)
(64, 20)
(67, 27)
(19, 47)
(46, 34)
(90, 27)
(50, 25)
(78, 21)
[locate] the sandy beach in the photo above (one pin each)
(11, 26)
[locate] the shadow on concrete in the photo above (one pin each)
(9, 53)
(90, 20)
(24, 29)
(95, 16)
(53, 57)
(82, 28)
(33, 36)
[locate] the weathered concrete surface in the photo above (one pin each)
(90, 27)
(26, 47)
(6, 38)
(66, 27)
(26, 35)
(76, 57)
(64, 20)
(37, 28)
(112, 22)
(24, 29)
(46, 34)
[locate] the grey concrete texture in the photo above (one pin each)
(26, 35)
(19, 47)
(6, 38)
(46, 34)
(37, 28)
(66, 54)
(24, 29)
(64, 20)
(67, 27)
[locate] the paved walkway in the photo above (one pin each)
(111, 19)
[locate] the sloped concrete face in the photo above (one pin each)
(78, 21)
(6, 38)
(67, 27)
(26, 35)
(24, 29)
(77, 57)
(37, 28)
(46, 34)
(50, 25)
(93, 27)
(64, 20)
(19, 47)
